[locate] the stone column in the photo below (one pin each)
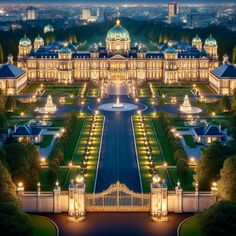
(71, 204)
(20, 193)
(57, 198)
(159, 198)
(178, 198)
(77, 200)
(164, 212)
(38, 197)
(214, 191)
(196, 197)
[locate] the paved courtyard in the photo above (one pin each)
(118, 224)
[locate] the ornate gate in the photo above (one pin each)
(118, 198)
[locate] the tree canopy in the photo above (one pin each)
(227, 184)
(219, 219)
(23, 162)
(14, 221)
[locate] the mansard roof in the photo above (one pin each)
(10, 71)
(26, 130)
(226, 70)
(209, 130)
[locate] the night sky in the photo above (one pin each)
(115, 1)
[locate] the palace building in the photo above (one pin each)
(172, 62)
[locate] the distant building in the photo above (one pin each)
(210, 133)
(12, 78)
(27, 133)
(223, 78)
(173, 9)
(31, 13)
(48, 28)
(199, 20)
(86, 14)
(88, 17)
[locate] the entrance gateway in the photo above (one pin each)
(119, 198)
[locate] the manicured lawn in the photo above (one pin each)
(31, 88)
(53, 129)
(167, 152)
(43, 226)
(209, 106)
(174, 91)
(178, 122)
(191, 227)
(142, 92)
(156, 153)
(62, 91)
(69, 150)
(93, 92)
(47, 139)
(204, 88)
(79, 152)
(189, 141)
(182, 129)
(56, 122)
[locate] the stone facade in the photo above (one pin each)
(172, 62)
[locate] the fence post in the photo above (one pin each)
(20, 193)
(179, 198)
(196, 197)
(71, 204)
(159, 198)
(38, 197)
(77, 200)
(214, 191)
(57, 198)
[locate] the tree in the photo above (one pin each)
(234, 100)
(2, 103)
(209, 165)
(23, 162)
(1, 54)
(3, 122)
(227, 184)
(233, 125)
(14, 221)
(182, 168)
(179, 154)
(219, 219)
(52, 176)
(7, 187)
(225, 103)
(58, 154)
(10, 103)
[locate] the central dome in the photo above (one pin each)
(118, 33)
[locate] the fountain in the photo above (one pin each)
(49, 107)
(187, 108)
(117, 104)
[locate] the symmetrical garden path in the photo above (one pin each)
(118, 159)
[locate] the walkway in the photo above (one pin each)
(118, 159)
(117, 224)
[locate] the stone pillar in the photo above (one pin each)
(20, 193)
(159, 199)
(196, 197)
(77, 200)
(71, 198)
(214, 191)
(178, 198)
(57, 198)
(38, 197)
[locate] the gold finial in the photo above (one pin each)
(117, 22)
